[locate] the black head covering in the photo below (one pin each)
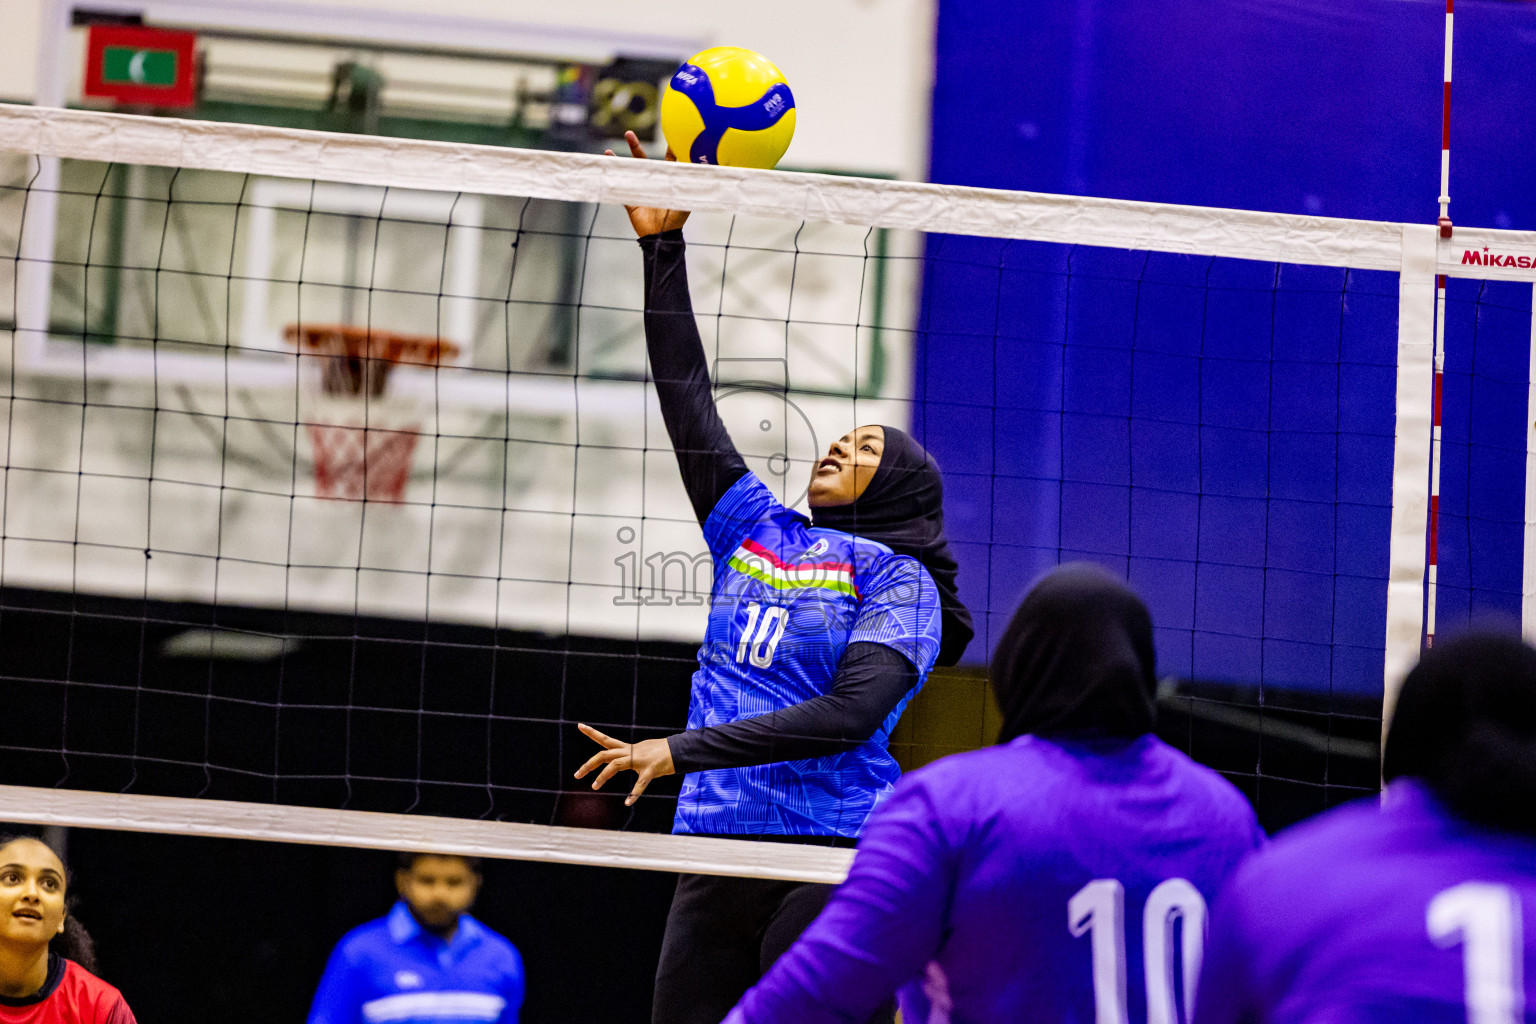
(903, 508)
(1077, 657)
(1466, 725)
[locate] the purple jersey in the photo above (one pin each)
(1376, 912)
(1013, 884)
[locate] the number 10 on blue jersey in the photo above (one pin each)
(765, 628)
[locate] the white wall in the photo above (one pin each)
(23, 20)
(860, 69)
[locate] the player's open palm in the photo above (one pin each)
(649, 759)
(650, 220)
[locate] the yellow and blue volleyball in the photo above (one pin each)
(728, 106)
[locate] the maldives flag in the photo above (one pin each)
(141, 66)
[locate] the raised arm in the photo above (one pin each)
(705, 454)
(708, 460)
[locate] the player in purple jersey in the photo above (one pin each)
(819, 632)
(1061, 877)
(1418, 907)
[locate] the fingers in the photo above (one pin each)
(640, 784)
(618, 756)
(671, 155)
(599, 758)
(612, 768)
(612, 749)
(599, 737)
(635, 149)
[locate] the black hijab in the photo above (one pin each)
(903, 508)
(1077, 657)
(1466, 724)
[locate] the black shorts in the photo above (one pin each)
(722, 936)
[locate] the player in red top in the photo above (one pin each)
(45, 955)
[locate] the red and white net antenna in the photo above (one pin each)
(1445, 130)
(1433, 562)
(1444, 221)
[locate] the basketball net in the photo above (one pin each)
(363, 446)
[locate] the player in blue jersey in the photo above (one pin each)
(425, 962)
(1419, 906)
(819, 632)
(1061, 877)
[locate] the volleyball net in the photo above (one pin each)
(335, 493)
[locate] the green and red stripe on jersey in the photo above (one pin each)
(754, 560)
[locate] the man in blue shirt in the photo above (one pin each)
(426, 961)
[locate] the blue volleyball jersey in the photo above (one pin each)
(392, 970)
(786, 601)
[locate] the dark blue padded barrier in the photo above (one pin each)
(1239, 472)
(1219, 431)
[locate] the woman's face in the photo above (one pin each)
(31, 893)
(850, 463)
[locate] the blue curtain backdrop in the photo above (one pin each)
(1221, 431)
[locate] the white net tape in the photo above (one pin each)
(228, 819)
(405, 163)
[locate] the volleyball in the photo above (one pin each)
(728, 106)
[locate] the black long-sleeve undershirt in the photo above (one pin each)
(871, 678)
(705, 453)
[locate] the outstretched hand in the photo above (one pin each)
(649, 220)
(651, 759)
